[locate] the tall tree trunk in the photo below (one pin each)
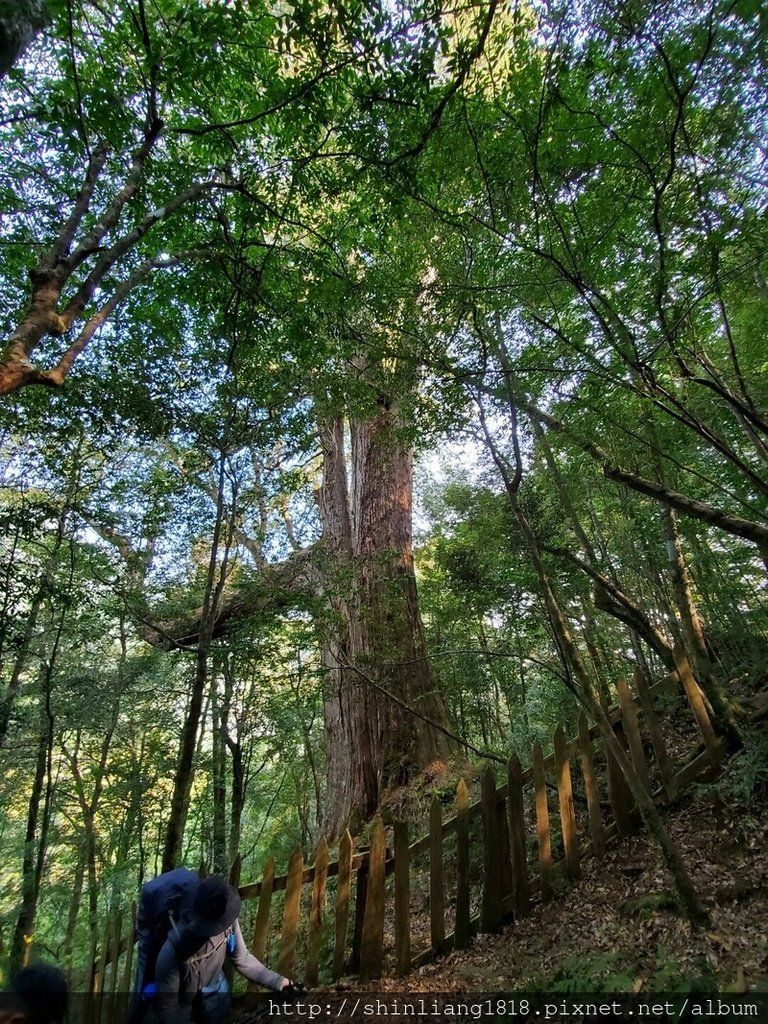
(609, 595)
(382, 702)
(219, 715)
(182, 780)
(89, 807)
(589, 698)
(68, 949)
(237, 797)
(694, 633)
(238, 763)
(19, 664)
(38, 819)
(690, 622)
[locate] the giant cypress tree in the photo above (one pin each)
(347, 405)
(188, 191)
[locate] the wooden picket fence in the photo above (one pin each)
(473, 871)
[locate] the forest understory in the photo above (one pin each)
(620, 930)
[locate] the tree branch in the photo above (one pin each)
(709, 514)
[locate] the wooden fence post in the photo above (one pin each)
(361, 898)
(698, 704)
(632, 728)
(590, 788)
(619, 793)
(261, 927)
(316, 913)
(461, 926)
(436, 877)
(343, 885)
(542, 821)
(517, 838)
(506, 884)
(654, 731)
(491, 910)
(402, 899)
(372, 946)
(291, 915)
(565, 800)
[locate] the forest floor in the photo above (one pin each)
(619, 928)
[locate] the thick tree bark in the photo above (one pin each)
(372, 741)
(20, 23)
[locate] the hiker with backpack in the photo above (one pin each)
(187, 927)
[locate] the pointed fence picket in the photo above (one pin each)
(373, 926)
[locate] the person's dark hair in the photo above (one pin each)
(211, 898)
(39, 991)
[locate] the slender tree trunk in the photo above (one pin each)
(36, 833)
(182, 780)
(237, 798)
(19, 664)
(89, 806)
(238, 764)
(68, 949)
(690, 622)
(219, 714)
(589, 698)
(694, 634)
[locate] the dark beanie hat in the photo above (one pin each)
(40, 992)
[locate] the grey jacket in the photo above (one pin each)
(185, 968)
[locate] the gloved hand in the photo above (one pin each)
(293, 990)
